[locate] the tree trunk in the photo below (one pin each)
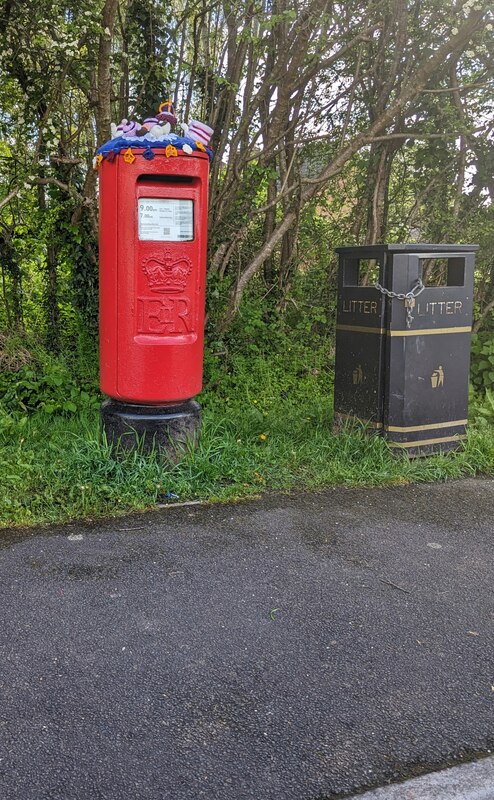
(52, 311)
(104, 83)
(390, 114)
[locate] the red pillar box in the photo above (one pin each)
(153, 239)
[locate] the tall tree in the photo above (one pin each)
(393, 96)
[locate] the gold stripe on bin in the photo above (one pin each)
(430, 427)
(421, 442)
(360, 329)
(429, 331)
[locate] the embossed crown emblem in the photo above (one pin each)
(167, 275)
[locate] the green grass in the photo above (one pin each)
(263, 429)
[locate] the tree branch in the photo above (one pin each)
(6, 200)
(483, 314)
(409, 91)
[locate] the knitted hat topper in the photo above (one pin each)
(150, 122)
(199, 132)
(128, 129)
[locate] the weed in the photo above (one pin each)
(482, 367)
(44, 385)
(267, 425)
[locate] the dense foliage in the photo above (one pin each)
(333, 123)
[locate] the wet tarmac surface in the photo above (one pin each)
(296, 648)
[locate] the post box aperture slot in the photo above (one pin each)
(188, 180)
(165, 219)
(442, 272)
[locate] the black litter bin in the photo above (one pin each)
(403, 331)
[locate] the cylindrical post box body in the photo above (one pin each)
(153, 239)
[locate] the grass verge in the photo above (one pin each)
(54, 468)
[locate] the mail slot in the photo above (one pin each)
(404, 319)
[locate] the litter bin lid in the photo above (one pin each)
(411, 247)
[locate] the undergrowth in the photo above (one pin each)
(267, 425)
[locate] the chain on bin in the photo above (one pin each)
(408, 297)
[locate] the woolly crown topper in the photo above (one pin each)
(166, 113)
(153, 134)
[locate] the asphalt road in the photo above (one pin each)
(290, 648)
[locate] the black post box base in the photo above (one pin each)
(165, 430)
